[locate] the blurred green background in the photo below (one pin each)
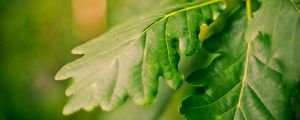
(36, 37)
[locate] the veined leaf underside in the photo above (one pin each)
(129, 59)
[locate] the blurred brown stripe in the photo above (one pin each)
(89, 18)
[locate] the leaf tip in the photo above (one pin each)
(77, 50)
(174, 84)
(69, 92)
(60, 75)
(67, 111)
(106, 106)
(138, 100)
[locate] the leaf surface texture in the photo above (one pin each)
(128, 60)
(246, 81)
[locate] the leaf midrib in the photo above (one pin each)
(248, 53)
(249, 18)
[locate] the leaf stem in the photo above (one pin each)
(249, 10)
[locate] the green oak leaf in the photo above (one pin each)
(128, 60)
(246, 80)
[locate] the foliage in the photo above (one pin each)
(252, 73)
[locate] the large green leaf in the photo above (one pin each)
(128, 60)
(246, 81)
